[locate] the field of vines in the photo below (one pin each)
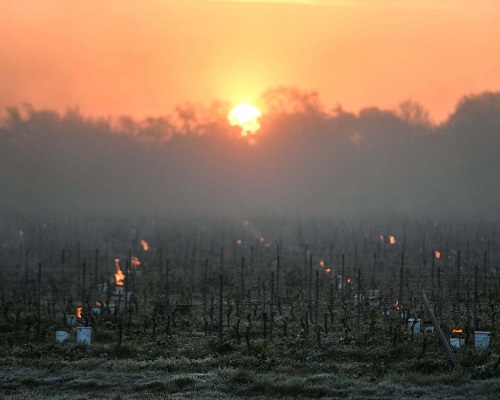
(248, 308)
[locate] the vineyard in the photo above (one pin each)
(262, 308)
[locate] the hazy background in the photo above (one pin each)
(306, 161)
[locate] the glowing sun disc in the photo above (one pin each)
(246, 117)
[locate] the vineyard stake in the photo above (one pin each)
(442, 338)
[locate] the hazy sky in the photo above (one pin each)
(144, 57)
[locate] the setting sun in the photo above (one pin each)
(246, 117)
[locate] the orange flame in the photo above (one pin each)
(119, 275)
(457, 331)
(322, 264)
(79, 312)
(349, 280)
(398, 307)
(392, 240)
(145, 245)
(134, 261)
(437, 254)
(328, 270)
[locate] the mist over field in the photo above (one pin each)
(306, 160)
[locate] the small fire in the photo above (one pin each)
(322, 264)
(119, 275)
(79, 312)
(145, 245)
(457, 331)
(239, 242)
(392, 240)
(349, 280)
(437, 254)
(134, 261)
(328, 270)
(398, 307)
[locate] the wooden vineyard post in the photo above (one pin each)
(39, 301)
(440, 333)
(401, 277)
(433, 263)
(458, 277)
(167, 288)
(242, 279)
(316, 304)
(358, 298)
(342, 278)
(96, 269)
(374, 270)
(271, 304)
(83, 294)
(63, 257)
(310, 283)
(221, 283)
(205, 287)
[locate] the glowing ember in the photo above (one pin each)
(145, 245)
(119, 275)
(79, 312)
(134, 261)
(349, 280)
(322, 264)
(457, 331)
(392, 240)
(437, 254)
(328, 270)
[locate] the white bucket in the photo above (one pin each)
(62, 336)
(481, 339)
(71, 320)
(457, 342)
(83, 334)
(416, 327)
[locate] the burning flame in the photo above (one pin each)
(398, 307)
(457, 331)
(119, 275)
(392, 240)
(79, 312)
(134, 261)
(349, 280)
(145, 245)
(322, 264)
(328, 270)
(437, 254)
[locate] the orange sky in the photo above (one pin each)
(141, 58)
